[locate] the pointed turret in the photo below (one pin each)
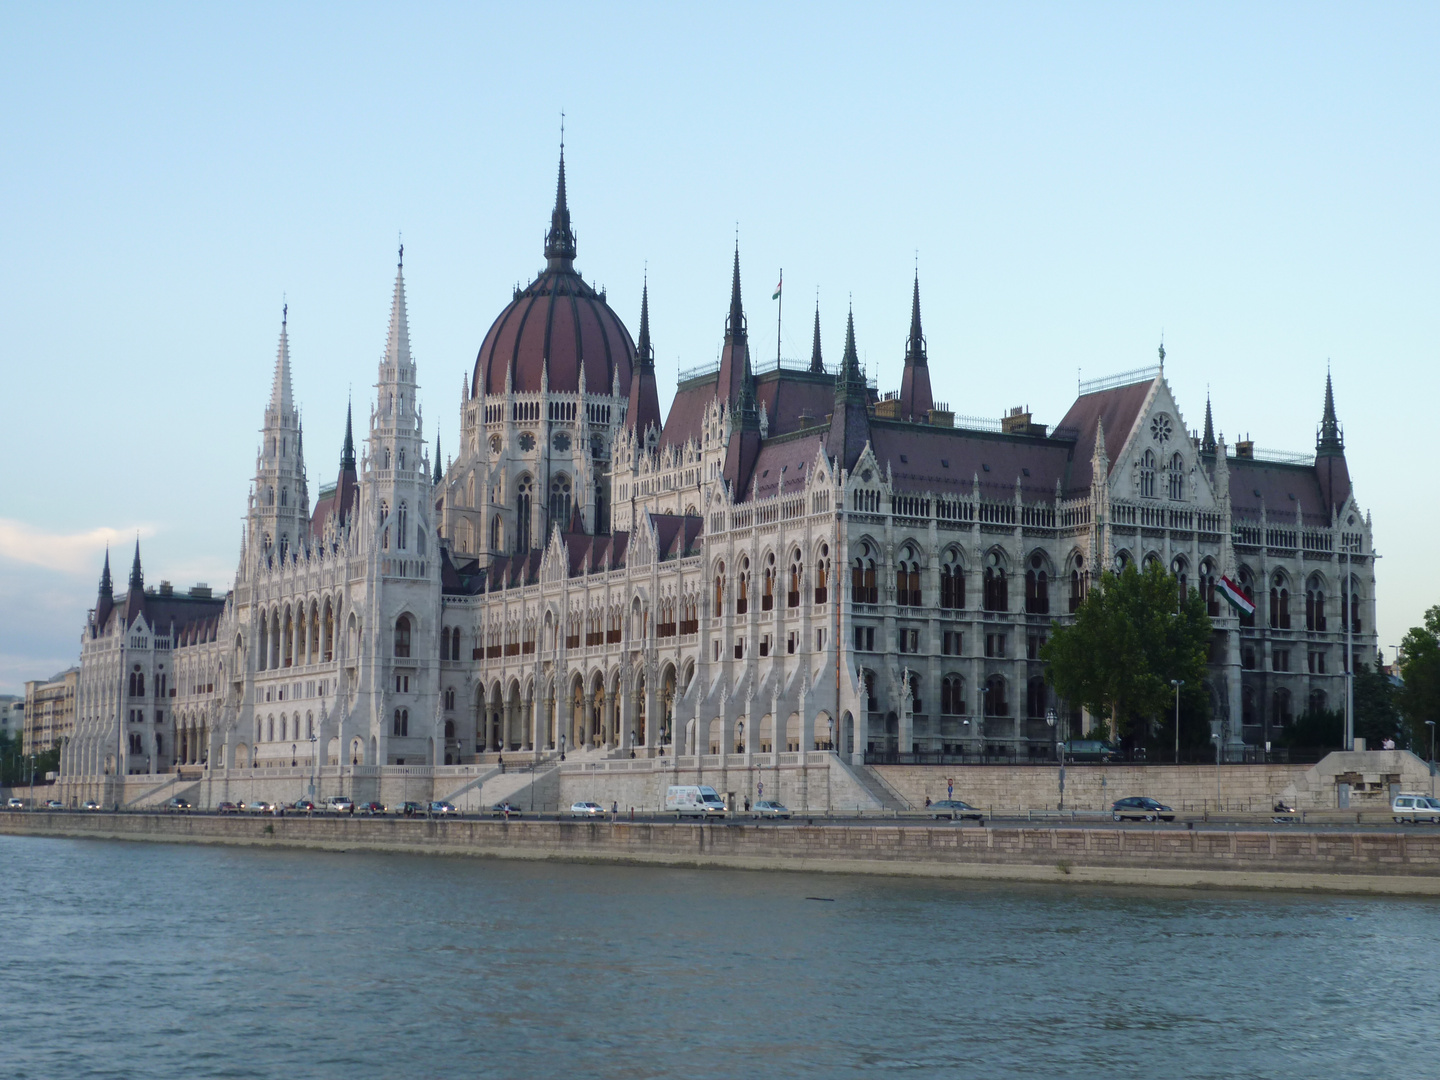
(438, 475)
(850, 422)
(281, 400)
(916, 400)
(1330, 465)
(560, 240)
(644, 408)
(105, 601)
(397, 342)
(817, 362)
(735, 357)
(107, 586)
(1207, 440)
(137, 576)
(347, 452)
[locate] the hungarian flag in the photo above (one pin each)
(1238, 600)
(776, 294)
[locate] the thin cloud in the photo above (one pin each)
(71, 553)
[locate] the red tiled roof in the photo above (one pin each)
(1118, 409)
(947, 460)
(686, 417)
(788, 458)
(1281, 488)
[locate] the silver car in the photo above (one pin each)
(767, 808)
(586, 809)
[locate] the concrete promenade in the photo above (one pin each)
(1404, 862)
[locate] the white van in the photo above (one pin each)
(339, 804)
(689, 800)
(1414, 807)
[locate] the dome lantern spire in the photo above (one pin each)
(560, 240)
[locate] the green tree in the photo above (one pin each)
(1314, 729)
(1419, 695)
(1376, 716)
(1131, 635)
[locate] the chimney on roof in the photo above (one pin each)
(1245, 448)
(1017, 422)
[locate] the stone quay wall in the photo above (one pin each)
(1405, 862)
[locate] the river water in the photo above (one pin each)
(172, 961)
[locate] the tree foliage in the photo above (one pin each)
(1419, 697)
(1377, 716)
(1132, 634)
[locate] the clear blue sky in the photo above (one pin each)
(1256, 181)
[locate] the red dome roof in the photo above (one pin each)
(561, 322)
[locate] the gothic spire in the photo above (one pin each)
(735, 322)
(107, 586)
(137, 578)
(850, 422)
(1207, 440)
(439, 476)
(281, 400)
(643, 411)
(347, 452)
(1331, 440)
(817, 363)
(397, 344)
(560, 240)
(916, 399)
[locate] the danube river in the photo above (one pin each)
(164, 961)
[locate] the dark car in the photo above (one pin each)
(175, 805)
(306, 806)
(1139, 807)
(371, 809)
(410, 809)
(953, 809)
(227, 808)
(505, 809)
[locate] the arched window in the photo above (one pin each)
(792, 594)
(284, 496)
(1279, 603)
(863, 589)
(1246, 581)
(719, 588)
(1077, 583)
(997, 590)
(916, 704)
(995, 703)
(1349, 601)
(1247, 706)
(1181, 569)
(822, 575)
(455, 644)
(1280, 706)
(1147, 475)
(1035, 701)
(402, 520)
(907, 578)
(1315, 604)
(402, 636)
(1177, 479)
(470, 491)
(402, 723)
(497, 534)
(952, 581)
(742, 587)
(1317, 701)
(523, 491)
(385, 534)
(767, 595)
(560, 501)
(272, 729)
(1037, 587)
(1207, 588)
(952, 696)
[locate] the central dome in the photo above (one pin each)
(556, 323)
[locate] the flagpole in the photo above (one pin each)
(779, 308)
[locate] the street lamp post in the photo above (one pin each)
(1177, 683)
(314, 765)
(1431, 725)
(1215, 738)
(1050, 718)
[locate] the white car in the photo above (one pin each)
(586, 809)
(15, 804)
(1414, 807)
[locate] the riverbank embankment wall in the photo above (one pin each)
(1287, 857)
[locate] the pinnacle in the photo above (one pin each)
(735, 326)
(397, 343)
(281, 400)
(644, 351)
(560, 240)
(817, 362)
(915, 349)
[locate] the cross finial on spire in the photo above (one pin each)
(400, 239)
(560, 240)
(817, 362)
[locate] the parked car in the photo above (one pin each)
(505, 809)
(15, 804)
(443, 809)
(305, 806)
(54, 804)
(410, 809)
(1089, 750)
(339, 804)
(954, 809)
(1414, 808)
(371, 809)
(91, 804)
(175, 805)
(227, 808)
(767, 808)
(259, 806)
(586, 809)
(1138, 807)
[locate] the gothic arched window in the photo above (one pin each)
(523, 490)
(560, 501)
(402, 636)
(401, 520)
(1177, 478)
(1147, 475)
